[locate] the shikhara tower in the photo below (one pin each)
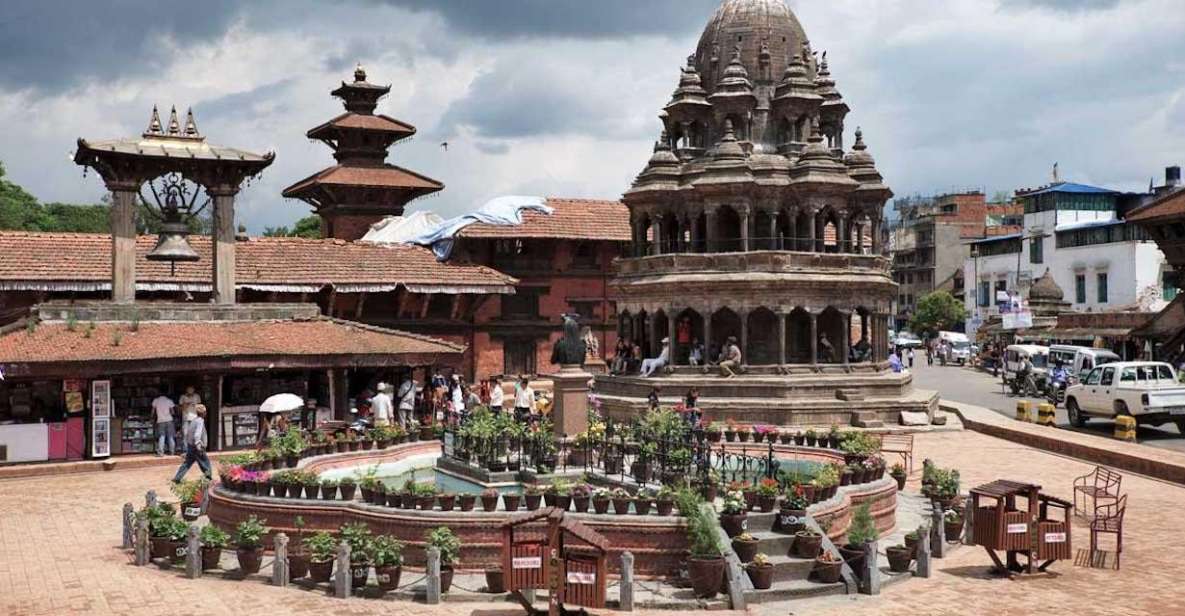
(751, 221)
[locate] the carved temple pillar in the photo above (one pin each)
(671, 334)
(782, 338)
(745, 230)
(224, 244)
(123, 241)
(814, 338)
(845, 340)
(843, 243)
(792, 227)
(875, 232)
(815, 241)
(707, 335)
(658, 236)
(710, 230)
(774, 244)
(696, 244)
(745, 336)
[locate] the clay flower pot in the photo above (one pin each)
(250, 559)
(510, 502)
(580, 503)
(807, 544)
(298, 566)
(854, 556)
(388, 577)
(707, 576)
(447, 501)
(562, 502)
(446, 578)
(665, 507)
(489, 503)
(425, 503)
(899, 557)
(953, 531)
(827, 572)
(621, 506)
(761, 576)
(321, 571)
(210, 557)
(600, 505)
(359, 573)
(466, 501)
(495, 581)
(533, 501)
(732, 524)
(642, 506)
(745, 550)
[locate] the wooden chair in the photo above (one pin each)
(1108, 519)
(1100, 484)
(901, 444)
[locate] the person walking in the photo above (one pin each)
(730, 358)
(929, 354)
(910, 354)
(407, 402)
(195, 438)
(383, 406)
(653, 398)
(163, 407)
(497, 396)
(186, 403)
(524, 399)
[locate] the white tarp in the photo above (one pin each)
(502, 211)
(401, 229)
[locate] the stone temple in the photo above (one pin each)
(752, 221)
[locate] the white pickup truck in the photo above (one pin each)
(1146, 390)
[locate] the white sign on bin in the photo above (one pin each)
(1055, 537)
(581, 577)
(1017, 528)
(527, 562)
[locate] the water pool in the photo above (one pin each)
(421, 469)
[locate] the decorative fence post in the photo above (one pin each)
(968, 524)
(280, 563)
(627, 582)
(432, 581)
(937, 535)
(143, 551)
(923, 555)
(129, 526)
(150, 498)
(870, 582)
(341, 577)
(193, 553)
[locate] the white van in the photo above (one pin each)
(959, 345)
(1014, 357)
(1079, 360)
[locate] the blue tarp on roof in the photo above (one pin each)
(1087, 225)
(998, 238)
(1071, 187)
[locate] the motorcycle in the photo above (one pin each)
(1055, 392)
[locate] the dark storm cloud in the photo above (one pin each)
(1066, 6)
(51, 44)
(568, 18)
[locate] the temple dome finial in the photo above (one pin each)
(359, 73)
(154, 125)
(174, 124)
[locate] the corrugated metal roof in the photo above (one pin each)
(1070, 187)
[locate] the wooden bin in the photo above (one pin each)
(1053, 540)
(580, 581)
(528, 563)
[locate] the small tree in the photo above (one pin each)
(937, 311)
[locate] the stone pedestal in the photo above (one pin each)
(570, 410)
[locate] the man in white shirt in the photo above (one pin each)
(382, 406)
(649, 366)
(497, 396)
(163, 407)
(407, 402)
(188, 402)
(195, 437)
(524, 399)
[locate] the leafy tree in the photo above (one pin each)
(307, 227)
(937, 311)
(20, 211)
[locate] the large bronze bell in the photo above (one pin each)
(171, 244)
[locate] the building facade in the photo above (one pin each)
(1080, 235)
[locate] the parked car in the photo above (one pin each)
(1145, 390)
(1014, 359)
(907, 340)
(1080, 360)
(959, 345)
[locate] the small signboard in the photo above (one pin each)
(1017, 528)
(527, 562)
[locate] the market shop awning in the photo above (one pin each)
(79, 350)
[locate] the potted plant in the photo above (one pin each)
(298, 560)
(946, 487)
(713, 431)
(621, 501)
(828, 567)
(952, 525)
(826, 482)
(510, 501)
(466, 501)
(732, 514)
(811, 438)
(807, 543)
(321, 548)
(750, 494)
(495, 581)
(862, 531)
(175, 537)
(705, 563)
(447, 500)
(761, 572)
(898, 473)
(489, 499)
(561, 494)
(792, 514)
(730, 431)
(642, 501)
(425, 496)
(358, 536)
(664, 501)
(312, 484)
(534, 494)
(786, 437)
(387, 554)
(328, 489)
(408, 496)
(443, 539)
(159, 519)
(710, 486)
(743, 434)
(249, 541)
(745, 546)
(214, 540)
(581, 495)
(833, 437)
(899, 557)
(190, 494)
(642, 467)
(767, 494)
(600, 500)
(347, 487)
(913, 538)
(758, 433)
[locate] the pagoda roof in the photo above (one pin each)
(383, 176)
(576, 219)
(357, 121)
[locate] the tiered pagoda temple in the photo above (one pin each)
(751, 222)
(362, 188)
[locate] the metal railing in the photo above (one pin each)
(756, 243)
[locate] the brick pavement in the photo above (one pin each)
(59, 555)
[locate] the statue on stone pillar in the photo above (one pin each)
(569, 350)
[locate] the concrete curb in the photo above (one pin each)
(1149, 461)
(24, 470)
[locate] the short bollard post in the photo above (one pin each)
(143, 553)
(627, 582)
(341, 577)
(193, 553)
(129, 526)
(937, 531)
(1046, 415)
(968, 525)
(150, 498)
(870, 584)
(280, 563)
(432, 581)
(1125, 428)
(923, 555)
(1023, 411)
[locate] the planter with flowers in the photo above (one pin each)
(214, 540)
(443, 539)
(952, 525)
(761, 572)
(767, 494)
(807, 543)
(489, 499)
(321, 548)
(792, 515)
(387, 553)
(347, 487)
(248, 539)
(533, 496)
(581, 494)
(714, 431)
(733, 513)
(510, 501)
(621, 501)
(643, 500)
(358, 536)
(828, 568)
(600, 500)
(190, 493)
(898, 473)
(664, 501)
(745, 546)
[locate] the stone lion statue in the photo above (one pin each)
(571, 349)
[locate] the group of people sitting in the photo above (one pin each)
(628, 357)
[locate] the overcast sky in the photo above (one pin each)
(560, 97)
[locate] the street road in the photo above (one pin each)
(973, 386)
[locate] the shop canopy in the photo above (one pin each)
(62, 349)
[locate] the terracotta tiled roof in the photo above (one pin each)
(1167, 206)
(32, 258)
(378, 123)
(386, 176)
(53, 342)
(581, 219)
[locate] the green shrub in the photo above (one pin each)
(359, 538)
(249, 533)
(386, 551)
(863, 529)
(443, 539)
(321, 546)
(214, 537)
